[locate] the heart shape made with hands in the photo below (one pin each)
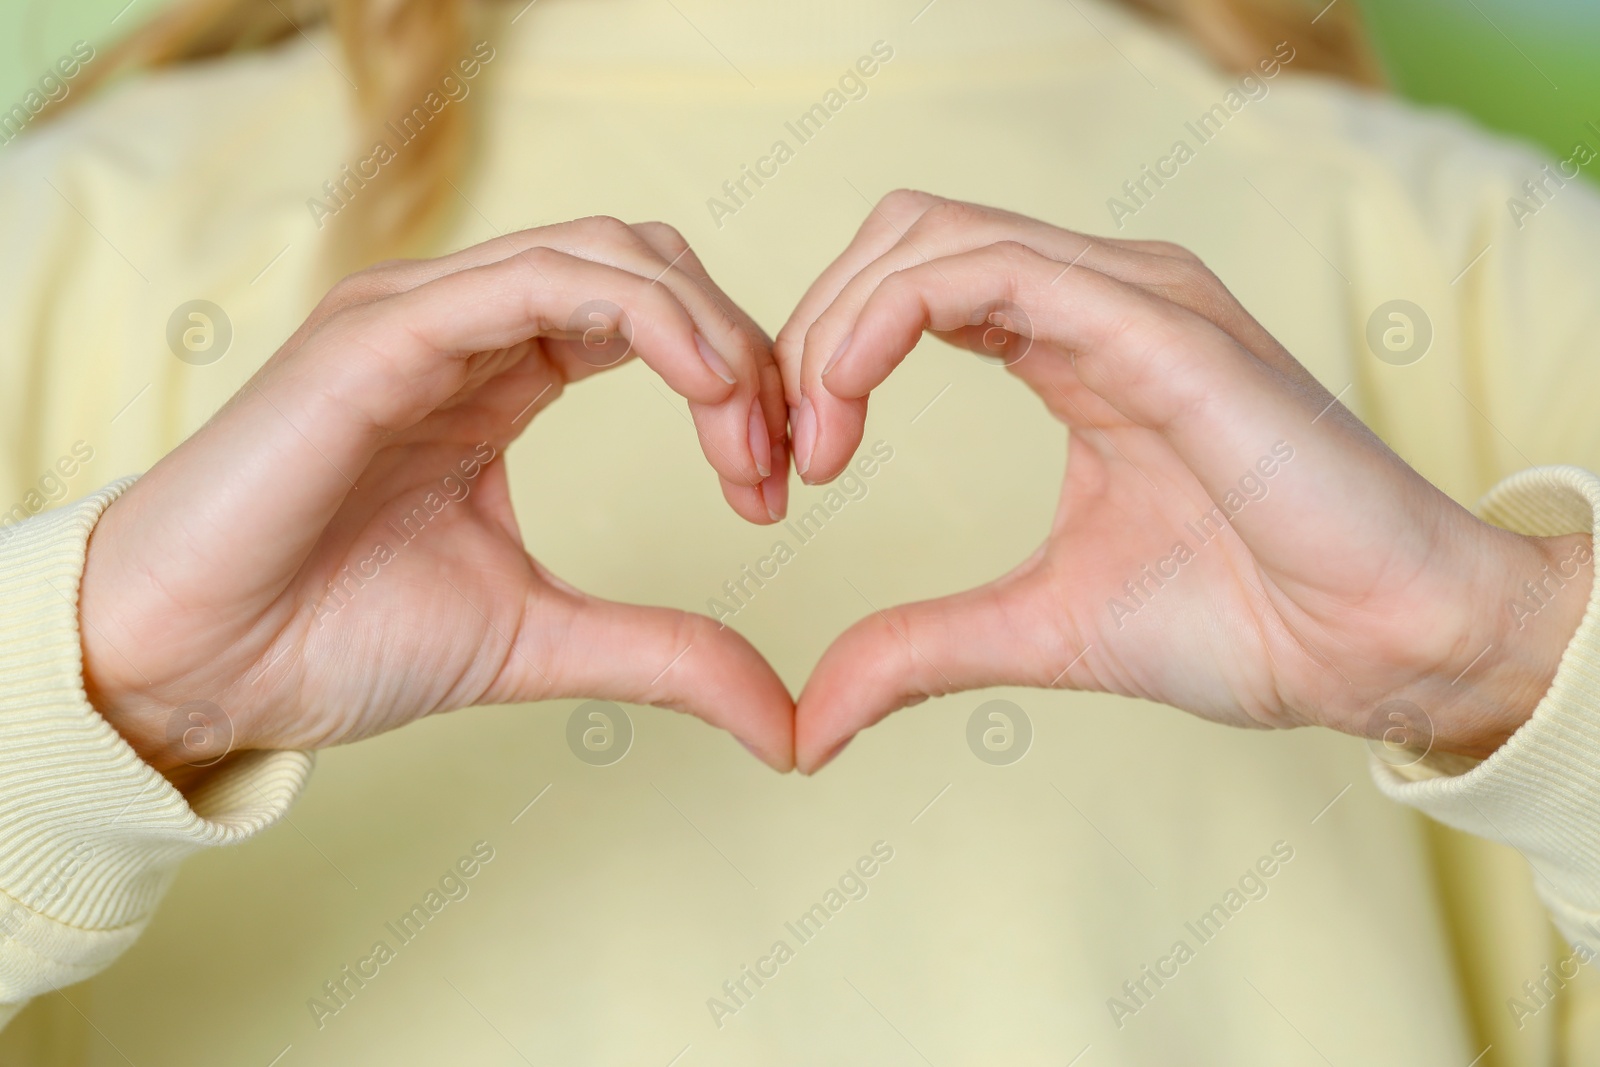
(1229, 539)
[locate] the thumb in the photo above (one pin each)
(594, 648)
(1002, 633)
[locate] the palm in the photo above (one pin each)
(431, 628)
(1115, 572)
(1111, 570)
(397, 607)
(1157, 595)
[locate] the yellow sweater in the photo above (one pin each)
(1029, 913)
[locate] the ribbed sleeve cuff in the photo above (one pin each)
(1540, 791)
(90, 834)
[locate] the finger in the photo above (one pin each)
(586, 238)
(729, 342)
(1005, 633)
(881, 230)
(760, 493)
(1227, 413)
(598, 334)
(884, 226)
(1158, 364)
(941, 228)
(573, 645)
(946, 229)
(737, 348)
(924, 226)
(907, 229)
(284, 453)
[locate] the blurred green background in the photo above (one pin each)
(1524, 67)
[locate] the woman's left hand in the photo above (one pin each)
(1230, 539)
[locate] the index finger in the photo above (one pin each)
(884, 227)
(761, 417)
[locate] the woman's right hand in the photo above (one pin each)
(334, 554)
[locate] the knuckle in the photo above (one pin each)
(897, 285)
(1129, 334)
(606, 228)
(540, 257)
(1013, 253)
(358, 328)
(664, 234)
(353, 289)
(951, 214)
(540, 254)
(1191, 274)
(349, 292)
(383, 278)
(906, 203)
(1191, 284)
(904, 197)
(691, 629)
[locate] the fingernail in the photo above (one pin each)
(775, 489)
(830, 757)
(718, 365)
(748, 747)
(760, 443)
(838, 354)
(805, 435)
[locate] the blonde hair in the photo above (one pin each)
(1237, 33)
(395, 52)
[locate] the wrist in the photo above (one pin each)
(1534, 607)
(174, 740)
(180, 742)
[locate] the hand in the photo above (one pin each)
(1230, 540)
(334, 554)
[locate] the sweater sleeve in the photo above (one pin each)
(90, 835)
(1540, 791)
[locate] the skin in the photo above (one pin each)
(1346, 582)
(1352, 583)
(204, 580)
